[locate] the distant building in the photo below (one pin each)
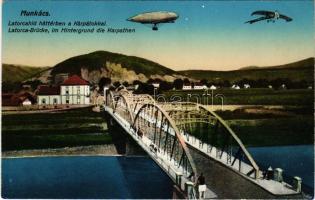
(212, 87)
(236, 87)
(156, 84)
(48, 95)
(270, 86)
(186, 87)
(283, 86)
(73, 90)
(246, 86)
(20, 99)
(199, 86)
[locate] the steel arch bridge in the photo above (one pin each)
(168, 132)
(168, 125)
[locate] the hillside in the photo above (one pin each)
(297, 71)
(120, 67)
(305, 63)
(19, 73)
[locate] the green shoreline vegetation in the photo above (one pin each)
(291, 126)
(53, 130)
(252, 96)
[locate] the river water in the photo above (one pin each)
(297, 160)
(124, 177)
(84, 177)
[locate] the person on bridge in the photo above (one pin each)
(191, 177)
(201, 183)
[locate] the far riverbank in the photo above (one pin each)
(101, 150)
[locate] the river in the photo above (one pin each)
(124, 177)
(84, 177)
(295, 160)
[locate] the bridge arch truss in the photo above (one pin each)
(167, 128)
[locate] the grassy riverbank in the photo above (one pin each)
(288, 126)
(253, 96)
(53, 130)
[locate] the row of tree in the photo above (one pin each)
(178, 84)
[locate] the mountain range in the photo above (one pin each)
(119, 67)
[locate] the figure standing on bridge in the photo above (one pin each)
(201, 183)
(192, 177)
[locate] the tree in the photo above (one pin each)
(125, 83)
(186, 81)
(178, 84)
(104, 81)
(204, 81)
(165, 86)
(150, 81)
(34, 84)
(116, 84)
(136, 82)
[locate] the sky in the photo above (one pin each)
(209, 35)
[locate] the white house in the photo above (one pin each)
(48, 95)
(186, 87)
(156, 84)
(199, 86)
(236, 87)
(73, 90)
(26, 102)
(212, 87)
(283, 86)
(246, 86)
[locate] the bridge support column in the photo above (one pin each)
(123, 142)
(189, 189)
(179, 179)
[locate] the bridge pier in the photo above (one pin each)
(122, 141)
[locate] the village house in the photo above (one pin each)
(48, 95)
(246, 86)
(20, 99)
(156, 84)
(186, 87)
(74, 91)
(212, 87)
(236, 87)
(199, 86)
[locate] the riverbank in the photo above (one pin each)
(259, 125)
(80, 127)
(101, 150)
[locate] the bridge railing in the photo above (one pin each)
(155, 129)
(213, 136)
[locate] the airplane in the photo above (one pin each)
(270, 16)
(154, 18)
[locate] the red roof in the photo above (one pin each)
(48, 90)
(10, 99)
(75, 80)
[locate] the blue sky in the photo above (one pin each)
(207, 35)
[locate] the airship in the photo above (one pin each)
(154, 18)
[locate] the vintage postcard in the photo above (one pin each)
(157, 99)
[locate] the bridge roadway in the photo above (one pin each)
(153, 124)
